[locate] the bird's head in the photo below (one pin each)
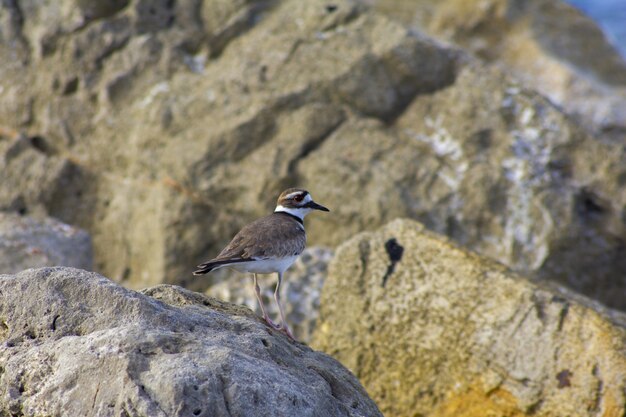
(297, 202)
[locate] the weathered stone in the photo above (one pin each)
(301, 288)
(492, 165)
(26, 242)
(75, 343)
(431, 329)
(174, 127)
(35, 180)
(548, 44)
(188, 140)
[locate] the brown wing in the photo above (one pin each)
(272, 236)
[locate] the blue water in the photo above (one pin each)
(610, 15)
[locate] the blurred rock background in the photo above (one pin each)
(28, 243)
(609, 15)
(162, 127)
(136, 137)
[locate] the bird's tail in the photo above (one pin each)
(205, 268)
(209, 266)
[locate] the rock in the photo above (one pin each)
(75, 343)
(36, 180)
(172, 127)
(432, 329)
(301, 288)
(26, 242)
(548, 44)
(492, 165)
(160, 107)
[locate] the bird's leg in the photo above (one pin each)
(284, 326)
(266, 317)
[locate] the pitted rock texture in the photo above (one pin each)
(453, 334)
(26, 242)
(76, 344)
(165, 127)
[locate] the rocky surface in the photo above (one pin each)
(550, 45)
(301, 288)
(432, 329)
(26, 242)
(494, 166)
(166, 127)
(74, 343)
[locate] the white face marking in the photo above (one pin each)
(305, 200)
(299, 212)
(292, 195)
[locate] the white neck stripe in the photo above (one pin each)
(298, 212)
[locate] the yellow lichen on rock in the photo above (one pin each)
(433, 329)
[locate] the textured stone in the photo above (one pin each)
(26, 242)
(75, 343)
(548, 44)
(162, 128)
(492, 165)
(301, 288)
(185, 124)
(431, 329)
(35, 180)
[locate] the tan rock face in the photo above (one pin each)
(431, 329)
(492, 165)
(548, 44)
(187, 126)
(162, 128)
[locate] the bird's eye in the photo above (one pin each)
(299, 197)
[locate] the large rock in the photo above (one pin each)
(301, 289)
(26, 242)
(171, 126)
(431, 329)
(185, 124)
(76, 344)
(549, 44)
(492, 165)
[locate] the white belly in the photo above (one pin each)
(265, 266)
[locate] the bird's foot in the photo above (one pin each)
(280, 327)
(272, 324)
(285, 329)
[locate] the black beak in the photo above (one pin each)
(313, 205)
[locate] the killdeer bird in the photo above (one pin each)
(269, 244)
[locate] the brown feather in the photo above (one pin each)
(273, 236)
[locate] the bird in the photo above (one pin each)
(268, 245)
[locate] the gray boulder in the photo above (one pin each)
(26, 242)
(76, 344)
